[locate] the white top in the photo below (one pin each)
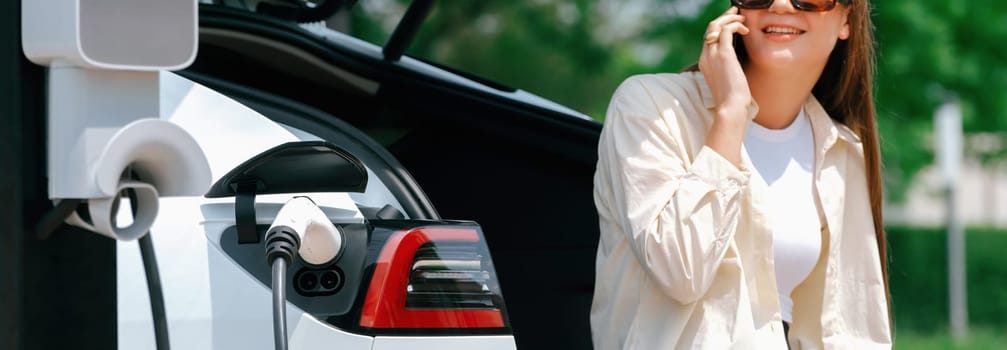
(784, 159)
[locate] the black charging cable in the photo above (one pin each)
(55, 217)
(281, 248)
(52, 220)
(153, 282)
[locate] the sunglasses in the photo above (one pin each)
(802, 5)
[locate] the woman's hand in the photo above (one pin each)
(719, 64)
(722, 71)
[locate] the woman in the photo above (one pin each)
(740, 204)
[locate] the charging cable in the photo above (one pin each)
(154, 289)
(300, 229)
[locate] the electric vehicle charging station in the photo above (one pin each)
(106, 138)
(113, 119)
(104, 103)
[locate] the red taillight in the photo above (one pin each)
(433, 277)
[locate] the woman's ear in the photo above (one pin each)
(844, 31)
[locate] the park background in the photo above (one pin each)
(576, 52)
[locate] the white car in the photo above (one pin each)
(464, 206)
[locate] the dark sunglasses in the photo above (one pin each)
(802, 5)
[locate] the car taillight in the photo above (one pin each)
(434, 277)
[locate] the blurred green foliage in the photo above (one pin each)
(918, 277)
(577, 51)
(927, 49)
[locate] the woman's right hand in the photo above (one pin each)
(722, 71)
(719, 65)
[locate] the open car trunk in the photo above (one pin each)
(523, 172)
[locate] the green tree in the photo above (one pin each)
(927, 49)
(577, 51)
(544, 47)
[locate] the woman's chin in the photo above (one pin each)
(775, 59)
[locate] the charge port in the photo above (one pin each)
(310, 282)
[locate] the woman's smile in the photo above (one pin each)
(781, 33)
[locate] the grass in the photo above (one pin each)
(978, 339)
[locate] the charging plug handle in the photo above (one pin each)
(281, 242)
(281, 248)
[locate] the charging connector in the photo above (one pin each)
(300, 227)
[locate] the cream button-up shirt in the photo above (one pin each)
(685, 259)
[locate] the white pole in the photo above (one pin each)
(948, 125)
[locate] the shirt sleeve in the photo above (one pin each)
(679, 213)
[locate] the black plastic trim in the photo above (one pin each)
(244, 212)
(350, 261)
(303, 166)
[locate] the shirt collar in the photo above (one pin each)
(821, 123)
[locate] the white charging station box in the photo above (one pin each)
(138, 35)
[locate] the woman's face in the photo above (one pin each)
(784, 37)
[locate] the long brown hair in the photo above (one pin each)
(845, 89)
